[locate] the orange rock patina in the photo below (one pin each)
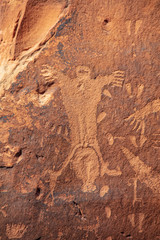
(80, 116)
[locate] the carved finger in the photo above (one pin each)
(59, 130)
(120, 82)
(136, 125)
(66, 132)
(133, 121)
(118, 79)
(129, 118)
(139, 127)
(156, 136)
(119, 72)
(116, 85)
(46, 73)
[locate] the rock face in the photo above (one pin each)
(80, 117)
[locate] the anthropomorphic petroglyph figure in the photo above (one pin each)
(80, 97)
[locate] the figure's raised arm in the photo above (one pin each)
(116, 79)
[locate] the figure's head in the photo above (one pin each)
(83, 72)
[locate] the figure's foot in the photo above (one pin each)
(88, 187)
(105, 169)
(85, 163)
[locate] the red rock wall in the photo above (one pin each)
(80, 117)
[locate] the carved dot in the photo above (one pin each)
(104, 190)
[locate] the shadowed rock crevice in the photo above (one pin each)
(39, 17)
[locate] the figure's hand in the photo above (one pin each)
(51, 74)
(117, 78)
(137, 120)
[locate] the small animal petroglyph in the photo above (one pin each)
(80, 97)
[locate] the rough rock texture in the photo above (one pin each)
(79, 119)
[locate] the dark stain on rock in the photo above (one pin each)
(5, 118)
(19, 153)
(62, 25)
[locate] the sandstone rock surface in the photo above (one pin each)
(79, 119)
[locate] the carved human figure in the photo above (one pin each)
(80, 97)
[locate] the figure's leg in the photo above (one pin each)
(53, 175)
(75, 144)
(86, 166)
(105, 165)
(92, 141)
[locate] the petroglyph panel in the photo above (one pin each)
(79, 119)
(76, 93)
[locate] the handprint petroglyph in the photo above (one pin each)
(137, 119)
(80, 97)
